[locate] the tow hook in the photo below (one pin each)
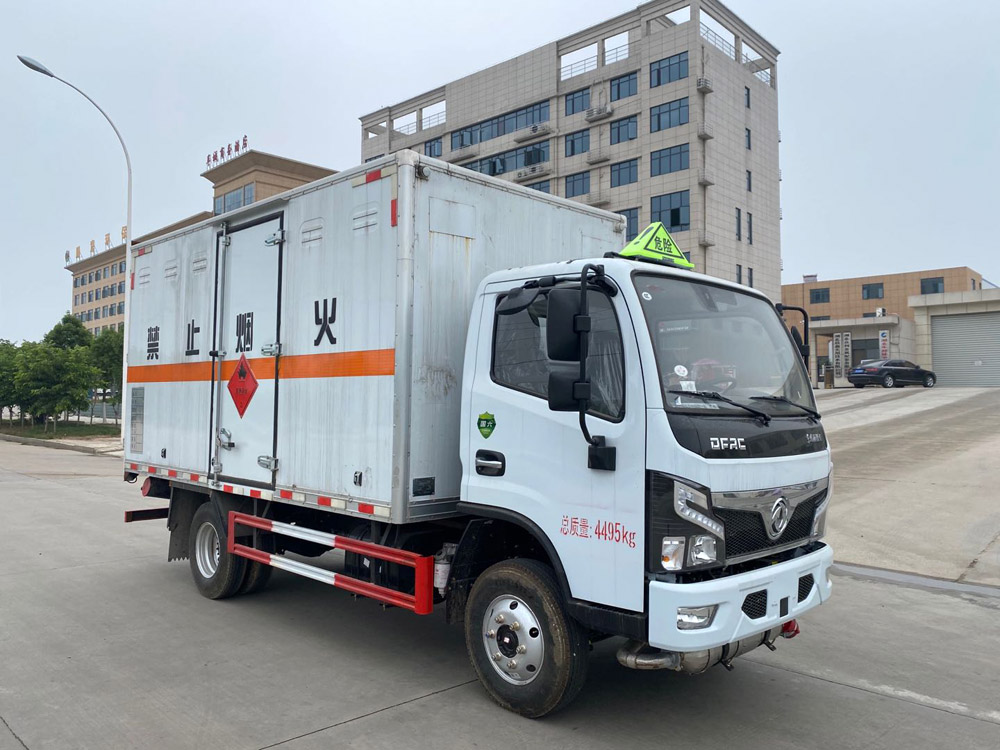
(790, 629)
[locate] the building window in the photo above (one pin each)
(932, 286)
(218, 205)
(90, 277)
(76, 300)
(748, 139)
(872, 291)
(114, 269)
(121, 267)
(817, 318)
(509, 161)
(121, 308)
(624, 173)
(739, 224)
(577, 184)
(104, 311)
(248, 193)
(973, 285)
(578, 101)
(498, 126)
(97, 313)
(105, 272)
(749, 277)
(868, 315)
(541, 187)
(626, 129)
(673, 210)
(631, 223)
(819, 296)
(121, 287)
(76, 281)
(433, 148)
(668, 70)
(746, 96)
(90, 296)
(234, 200)
(749, 181)
(90, 315)
(373, 158)
(667, 160)
(668, 115)
(739, 274)
(578, 142)
(749, 228)
(624, 86)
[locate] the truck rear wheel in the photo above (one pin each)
(528, 653)
(217, 574)
(256, 577)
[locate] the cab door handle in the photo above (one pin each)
(490, 463)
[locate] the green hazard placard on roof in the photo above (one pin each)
(655, 243)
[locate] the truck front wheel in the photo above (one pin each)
(528, 653)
(217, 574)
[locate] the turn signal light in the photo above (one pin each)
(790, 629)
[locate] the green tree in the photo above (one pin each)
(8, 366)
(68, 333)
(51, 380)
(106, 356)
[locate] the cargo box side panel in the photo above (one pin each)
(467, 228)
(337, 365)
(170, 336)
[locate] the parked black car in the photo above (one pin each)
(891, 373)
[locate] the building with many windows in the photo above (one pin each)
(99, 279)
(667, 113)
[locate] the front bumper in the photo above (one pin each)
(781, 582)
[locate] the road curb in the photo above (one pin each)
(56, 444)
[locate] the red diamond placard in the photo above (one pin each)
(242, 385)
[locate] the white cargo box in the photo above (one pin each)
(309, 348)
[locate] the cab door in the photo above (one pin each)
(246, 345)
(530, 464)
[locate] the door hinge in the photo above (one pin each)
(270, 350)
(267, 462)
(276, 239)
(224, 240)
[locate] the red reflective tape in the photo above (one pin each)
(227, 488)
(323, 500)
(372, 176)
(285, 494)
(195, 478)
(171, 473)
(152, 470)
(366, 508)
(134, 466)
(394, 218)
(254, 493)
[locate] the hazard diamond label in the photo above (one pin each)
(242, 385)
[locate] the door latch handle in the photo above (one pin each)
(225, 439)
(490, 463)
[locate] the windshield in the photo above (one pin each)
(711, 339)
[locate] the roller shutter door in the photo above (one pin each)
(966, 349)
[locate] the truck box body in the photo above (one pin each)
(365, 280)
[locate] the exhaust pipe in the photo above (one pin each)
(640, 655)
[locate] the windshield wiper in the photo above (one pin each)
(763, 416)
(811, 412)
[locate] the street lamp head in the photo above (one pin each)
(36, 66)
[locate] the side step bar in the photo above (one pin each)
(421, 601)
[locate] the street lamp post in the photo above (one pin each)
(39, 68)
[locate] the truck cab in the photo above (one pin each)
(691, 514)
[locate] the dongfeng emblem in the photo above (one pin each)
(780, 515)
(486, 424)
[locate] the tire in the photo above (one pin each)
(216, 573)
(524, 596)
(255, 578)
(888, 381)
(929, 381)
(859, 385)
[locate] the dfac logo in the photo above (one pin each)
(726, 443)
(486, 424)
(778, 521)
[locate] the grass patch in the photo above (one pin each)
(63, 430)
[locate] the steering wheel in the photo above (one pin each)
(717, 383)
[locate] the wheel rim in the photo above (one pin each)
(207, 550)
(512, 637)
(930, 382)
(888, 380)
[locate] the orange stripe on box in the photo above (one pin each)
(181, 373)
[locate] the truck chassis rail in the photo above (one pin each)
(421, 601)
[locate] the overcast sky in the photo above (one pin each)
(889, 112)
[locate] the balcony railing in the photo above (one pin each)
(616, 54)
(580, 66)
(717, 41)
(431, 120)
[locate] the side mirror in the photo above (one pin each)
(565, 389)
(563, 325)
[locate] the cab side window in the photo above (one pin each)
(520, 361)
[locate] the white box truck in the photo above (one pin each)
(461, 384)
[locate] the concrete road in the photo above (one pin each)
(103, 644)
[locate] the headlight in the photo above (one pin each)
(686, 499)
(819, 519)
(695, 618)
(703, 550)
(672, 552)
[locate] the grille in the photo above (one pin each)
(805, 586)
(755, 605)
(745, 532)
